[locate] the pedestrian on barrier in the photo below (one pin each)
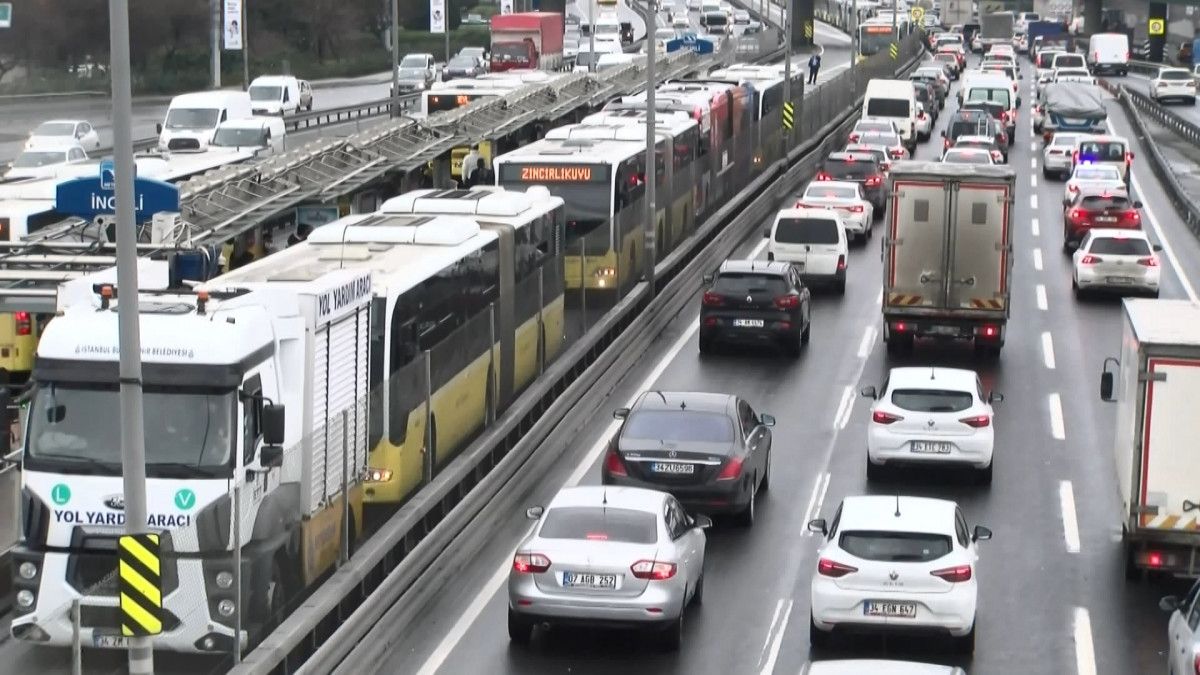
(482, 175)
(814, 67)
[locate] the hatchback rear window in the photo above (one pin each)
(858, 169)
(1097, 203)
(1069, 61)
(600, 524)
(1097, 172)
(1114, 246)
(895, 546)
(967, 128)
(995, 95)
(806, 231)
(932, 400)
(681, 426)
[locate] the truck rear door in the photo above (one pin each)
(978, 270)
(1170, 428)
(917, 245)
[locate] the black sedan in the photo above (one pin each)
(711, 451)
(463, 67)
(756, 302)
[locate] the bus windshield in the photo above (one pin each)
(586, 190)
(874, 39)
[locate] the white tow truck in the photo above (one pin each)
(221, 365)
(1155, 383)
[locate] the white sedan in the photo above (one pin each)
(64, 133)
(925, 416)
(893, 564)
(1173, 84)
(1092, 176)
(924, 124)
(1057, 155)
(44, 162)
(846, 197)
(1119, 261)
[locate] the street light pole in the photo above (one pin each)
(133, 442)
(651, 155)
(245, 50)
(591, 35)
(395, 52)
(786, 8)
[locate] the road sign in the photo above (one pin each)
(5, 15)
(918, 14)
(788, 115)
(1156, 27)
(140, 584)
(690, 41)
(88, 198)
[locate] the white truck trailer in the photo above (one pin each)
(221, 367)
(1155, 383)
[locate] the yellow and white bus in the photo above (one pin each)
(462, 287)
(874, 37)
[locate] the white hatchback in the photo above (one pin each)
(927, 415)
(1119, 261)
(893, 564)
(846, 198)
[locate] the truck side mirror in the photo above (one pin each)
(272, 424)
(1107, 378)
(271, 456)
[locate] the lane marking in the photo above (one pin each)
(814, 502)
(1033, 201)
(1036, 226)
(1033, 146)
(762, 653)
(1085, 652)
(1037, 259)
(1041, 297)
(777, 641)
(1033, 181)
(1057, 428)
(1166, 245)
(842, 416)
(493, 585)
(1033, 162)
(868, 341)
(1066, 500)
(1048, 350)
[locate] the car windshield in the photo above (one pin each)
(600, 523)
(680, 426)
(884, 546)
(806, 231)
(34, 159)
(189, 426)
(928, 73)
(1045, 59)
(1102, 203)
(1119, 246)
(232, 138)
(413, 61)
(1099, 172)
(932, 400)
(1000, 95)
(55, 129)
(967, 128)
(476, 52)
(1174, 75)
(857, 168)
(265, 93)
(192, 118)
(509, 51)
(818, 191)
(1069, 61)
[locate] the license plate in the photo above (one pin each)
(673, 467)
(930, 447)
(1120, 280)
(943, 330)
(748, 323)
(109, 641)
(900, 610)
(589, 580)
(1105, 219)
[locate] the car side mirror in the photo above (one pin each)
(1137, 205)
(620, 413)
(981, 533)
(708, 279)
(158, 128)
(943, 134)
(767, 420)
(1157, 248)
(272, 423)
(1130, 154)
(534, 512)
(995, 397)
(1169, 603)
(818, 525)
(271, 456)
(869, 392)
(701, 522)
(56, 414)
(766, 233)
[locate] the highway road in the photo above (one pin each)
(1053, 598)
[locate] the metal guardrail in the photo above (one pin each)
(398, 563)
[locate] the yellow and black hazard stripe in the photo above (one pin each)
(140, 573)
(789, 111)
(906, 299)
(986, 303)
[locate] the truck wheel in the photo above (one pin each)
(987, 352)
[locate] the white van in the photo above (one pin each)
(192, 119)
(1108, 53)
(263, 135)
(814, 241)
(894, 100)
(276, 95)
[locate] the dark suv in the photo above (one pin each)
(756, 302)
(974, 123)
(863, 168)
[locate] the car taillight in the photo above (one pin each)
(921, 116)
(855, 209)
(834, 569)
(24, 326)
(1134, 216)
(1075, 156)
(896, 154)
(1128, 157)
(874, 181)
(530, 563)
(713, 299)
(880, 417)
(613, 464)
(841, 263)
(824, 176)
(956, 574)
(1004, 117)
(854, 137)
(732, 469)
(946, 144)
(789, 301)
(1196, 665)
(1077, 214)
(1072, 188)
(1089, 260)
(977, 422)
(1148, 262)
(997, 155)
(652, 570)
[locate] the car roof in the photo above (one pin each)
(923, 376)
(1105, 167)
(613, 496)
(1171, 69)
(692, 400)
(846, 184)
(878, 512)
(1102, 138)
(878, 667)
(1117, 233)
(802, 212)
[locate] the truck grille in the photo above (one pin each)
(183, 144)
(92, 565)
(110, 618)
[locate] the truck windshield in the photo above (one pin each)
(262, 93)
(233, 138)
(189, 431)
(512, 51)
(192, 118)
(413, 62)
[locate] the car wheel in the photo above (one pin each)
(792, 347)
(520, 630)
(698, 594)
(965, 645)
(840, 288)
(1079, 292)
(984, 475)
(1046, 173)
(765, 484)
(672, 637)
(748, 514)
(817, 638)
(806, 334)
(875, 472)
(706, 345)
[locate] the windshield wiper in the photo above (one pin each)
(186, 467)
(97, 466)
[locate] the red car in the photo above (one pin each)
(1098, 208)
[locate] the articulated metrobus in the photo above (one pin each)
(767, 82)
(874, 37)
(455, 286)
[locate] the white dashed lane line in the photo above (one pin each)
(1066, 501)
(1037, 259)
(1057, 427)
(1036, 227)
(1048, 350)
(1085, 652)
(1041, 297)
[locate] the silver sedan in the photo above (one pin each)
(608, 557)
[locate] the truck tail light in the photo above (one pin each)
(24, 325)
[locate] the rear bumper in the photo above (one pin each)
(938, 614)
(945, 327)
(1142, 279)
(660, 603)
(710, 498)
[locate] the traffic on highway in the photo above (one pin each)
(928, 411)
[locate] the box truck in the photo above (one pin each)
(531, 40)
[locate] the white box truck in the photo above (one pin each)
(244, 391)
(947, 255)
(1155, 382)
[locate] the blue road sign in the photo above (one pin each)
(690, 41)
(88, 198)
(108, 174)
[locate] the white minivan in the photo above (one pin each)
(192, 119)
(277, 95)
(262, 135)
(894, 100)
(1108, 53)
(814, 241)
